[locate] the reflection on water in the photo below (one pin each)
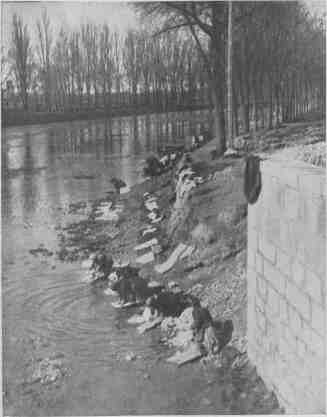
(99, 148)
(47, 299)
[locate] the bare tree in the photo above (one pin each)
(44, 54)
(21, 56)
(207, 24)
(106, 66)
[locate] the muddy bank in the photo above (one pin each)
(215, 272)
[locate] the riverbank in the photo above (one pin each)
(215, 273)
(21, 117)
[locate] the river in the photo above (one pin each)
(47, 309)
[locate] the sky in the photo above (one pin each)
(118, 14)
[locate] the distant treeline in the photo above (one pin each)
(37, 112)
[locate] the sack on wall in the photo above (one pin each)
(252, 179)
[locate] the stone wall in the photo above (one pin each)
(286, 283)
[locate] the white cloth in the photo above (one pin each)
(190, 354)
(151, 205)
(110, 216)
(149, 325)
(87, 263)
(146, 258)
(166, 266)
(157, 220)
(164, 159)
(188, 251)
(147, 244)
(149, 230)
(125, 190)
(109, 291)
(106, 204)
(152, 215)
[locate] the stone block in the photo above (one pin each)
(323, 189)
(258, 340)
(310, 181)
(253, 240)
(273, 301)
(301, 349)
(304, 201)
(262, 288)
(298, 299)
(290, 339)
(296, 235)
(313, 214)
(287, 390)
(259, 263)
(313, 340)
(298, 273)
(292, 203)
(279, 195)
(318, 318)
(315, 254)
(252, 218)
(275, 278)
(259, 303)
(251, 286)
(283, 262)
(282, 171)
(272, 229)
(314, 286)
(295, 321)
(261, 322)
(321, 226)
(267, 250)
(305, 402)
(251, 258)
(284, 313)
(291, 234)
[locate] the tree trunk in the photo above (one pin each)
(235, 114)
(229, 78)
(219, 122)
(270, 120)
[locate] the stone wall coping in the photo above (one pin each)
(304, 168)
(296, 174)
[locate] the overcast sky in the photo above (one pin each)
(71, 14)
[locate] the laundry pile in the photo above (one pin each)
(106, 213)
(98, 267)
(149, 245)
(156, 165)
(186, 179)
(185, 323)
(180, 252)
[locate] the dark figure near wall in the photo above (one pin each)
(202, 320)
(252, 179)
(102, 264)
(224, 331)
(134, 289)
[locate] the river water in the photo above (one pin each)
(47, 309)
